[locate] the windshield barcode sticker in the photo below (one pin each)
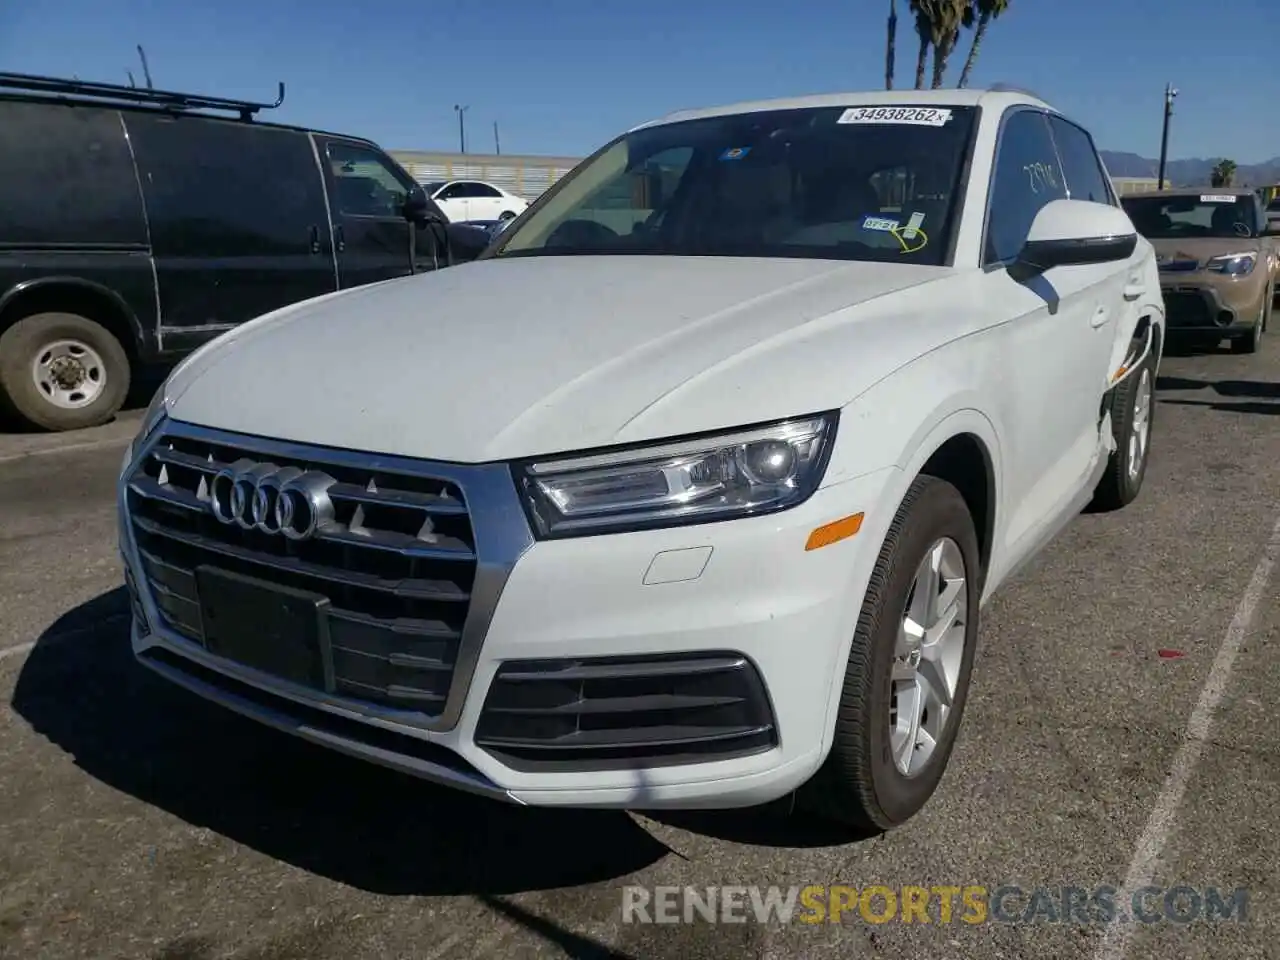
(917, 116)
(1218, 198)
(880, 223)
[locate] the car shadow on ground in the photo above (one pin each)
(1249, 396)
(341, 818)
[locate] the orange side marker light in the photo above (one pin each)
(834, 532)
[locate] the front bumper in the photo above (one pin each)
(1200, 308)
(744, 591)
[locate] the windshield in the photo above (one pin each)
(862, 183)
(432, 186)
(1190, 217)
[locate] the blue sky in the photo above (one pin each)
(564, 76)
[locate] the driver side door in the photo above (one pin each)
(455, 202)
(372, 240)
(1049, 398)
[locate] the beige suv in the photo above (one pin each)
(1217, 258)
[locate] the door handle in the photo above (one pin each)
(1134, 288)
(315, 239)
(1100, 317)
(339, 239)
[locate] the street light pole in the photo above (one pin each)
(497, 146)
(462, 129)
(1169, 94)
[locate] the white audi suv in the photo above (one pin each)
(690, 491)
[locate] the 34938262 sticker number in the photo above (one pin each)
(915, 116)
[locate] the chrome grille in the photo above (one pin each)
(397, 560)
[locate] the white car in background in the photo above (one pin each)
(465, 200)
(689, 491)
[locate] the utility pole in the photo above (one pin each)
(1169, 94)
(497, 146)
(462, 127)
(146, 71)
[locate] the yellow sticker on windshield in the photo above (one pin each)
(912, 244)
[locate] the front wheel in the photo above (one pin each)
(62, 371)
(507, 215)
(907, 678)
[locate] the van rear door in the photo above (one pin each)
(238, 221)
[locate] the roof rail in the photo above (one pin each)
(1012, 88)
(80, 89)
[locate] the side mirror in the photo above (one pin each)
(1076, 232)
(419, 209)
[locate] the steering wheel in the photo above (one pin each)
(582, 233)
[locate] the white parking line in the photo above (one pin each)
(1146, 856)
(69, 448)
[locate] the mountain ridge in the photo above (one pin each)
(1189, 172)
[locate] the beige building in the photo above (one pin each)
(1135, 184)
(524, 176)
(529, 176)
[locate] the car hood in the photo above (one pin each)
(506, 358)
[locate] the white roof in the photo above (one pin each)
(996, 99)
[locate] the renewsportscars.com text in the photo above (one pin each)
(970, 904)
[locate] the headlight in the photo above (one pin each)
(749, 472)
(1233, 264)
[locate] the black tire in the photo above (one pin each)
(20, 346)
(1252, 341)
(1118, 488)
(506, 215)
(859, 785)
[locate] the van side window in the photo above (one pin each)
(1027, 178)
(218, 188)
(365, 185)
(67, 176)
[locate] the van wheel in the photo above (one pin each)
(506, 215)
(907, 679)
(62, 371)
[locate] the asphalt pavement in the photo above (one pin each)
(1122, 733)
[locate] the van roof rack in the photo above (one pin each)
(81, 89)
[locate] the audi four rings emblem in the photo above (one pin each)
(262, 496)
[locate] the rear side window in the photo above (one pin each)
(1026, 178)
(1080, 164)
(68, 177)
(218, 188)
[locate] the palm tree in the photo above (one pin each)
(988, 10)
(923, 11)
(949, 16)
(890, 47)
(1224, 172)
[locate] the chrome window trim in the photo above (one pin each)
(502, 536)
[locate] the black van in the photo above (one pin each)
(136, 225)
